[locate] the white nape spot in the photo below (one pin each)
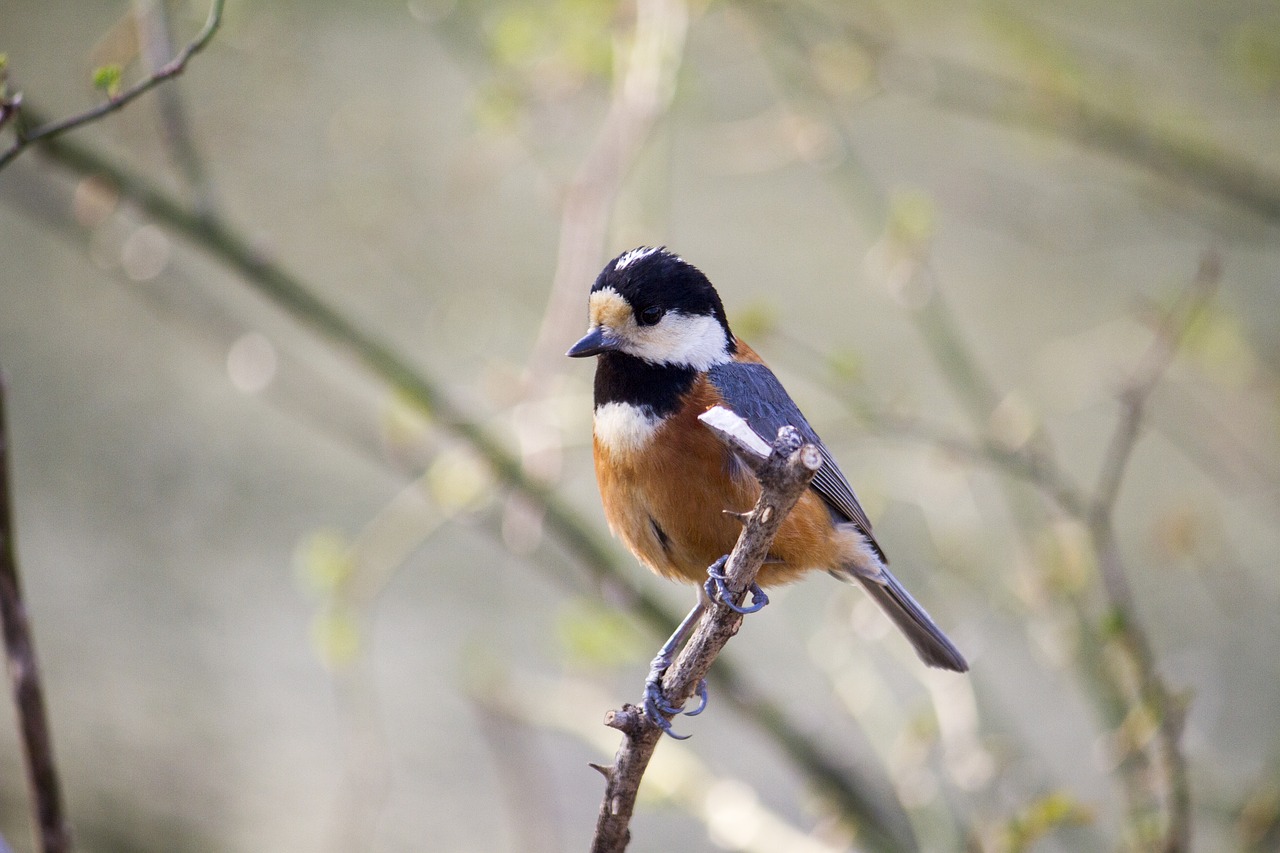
(692, 340)
(622, 427)
(634, 255)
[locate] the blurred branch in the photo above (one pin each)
(1168, 710)
(288, 292)
(350, 576)
(1207, 437)
(677, 776)
(1147, 376)
(156, 41)
(785, 474)
(644, 84)
(879, 817)
(53, 833)
(1037, 462)
(930, 311)
(534, 822)
(26, 134)
(1027, 463)
(1072, 115)
(1042, 103)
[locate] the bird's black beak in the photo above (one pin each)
(593, 342)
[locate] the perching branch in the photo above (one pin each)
(53, 834)
(784, 474)
(26, 136)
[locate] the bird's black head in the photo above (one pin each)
(651, 304)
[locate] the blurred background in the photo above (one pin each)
(287, 596)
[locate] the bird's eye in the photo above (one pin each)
(650, 315)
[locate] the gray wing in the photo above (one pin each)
(755, 394)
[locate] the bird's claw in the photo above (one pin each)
(658, 709)
(717, 590)
(656, 705)
(702, 700)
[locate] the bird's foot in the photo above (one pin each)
(656, 706)
(717, 590)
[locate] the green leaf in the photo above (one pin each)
(1055, 809)
(845, 364)
(912, 217)
(758, 320)
(1114, 624)
(324, 560)
(1218, 344)
(107, 78)
(336, 637)
(459, 481)
(1254, 51)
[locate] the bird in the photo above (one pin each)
(673, 493)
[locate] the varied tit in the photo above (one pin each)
(665, 354)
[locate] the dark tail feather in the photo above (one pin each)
(930, 643)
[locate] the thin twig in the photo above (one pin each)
(53, 833)
(47, 131)
(784, 476)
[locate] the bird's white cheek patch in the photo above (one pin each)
(689, 340)
(622, 427)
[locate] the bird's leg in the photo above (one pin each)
(718, 591)
(656, 705)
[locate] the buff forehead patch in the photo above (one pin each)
(607, 308)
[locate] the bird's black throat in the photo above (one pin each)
(622, 378)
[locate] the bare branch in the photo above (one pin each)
(784, 475)
(26, 137)
(53, 834)
(1168, 710)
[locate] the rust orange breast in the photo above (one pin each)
(667, 501)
